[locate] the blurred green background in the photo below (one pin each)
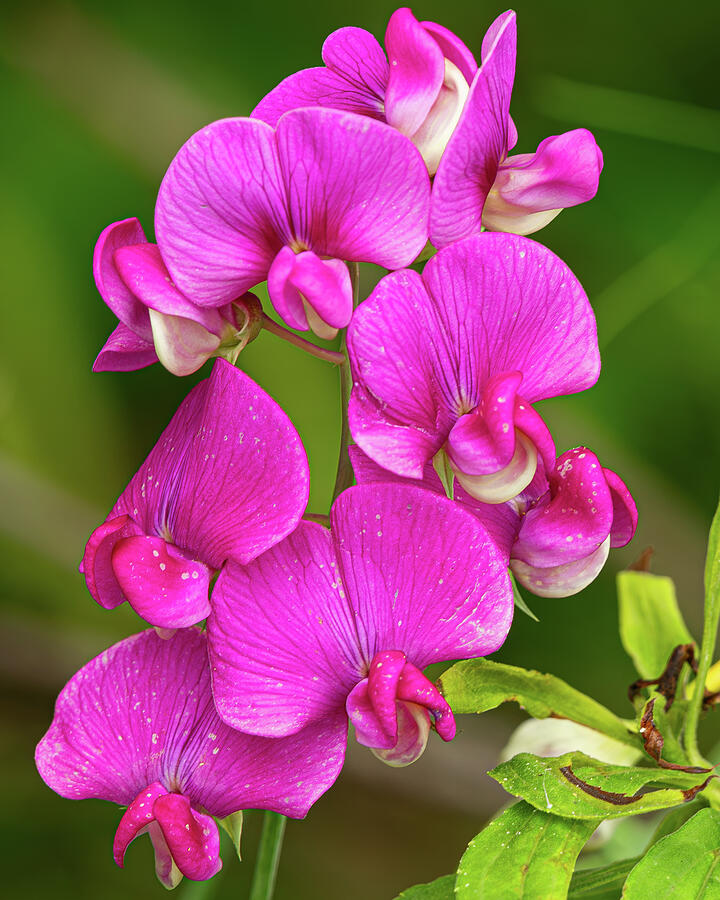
(97, 99)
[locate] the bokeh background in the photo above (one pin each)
(97, 99)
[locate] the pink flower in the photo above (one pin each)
(137, 726)
(421, 92)
(228, 478)
(455, 358)
(556, 535)
(243, 202)
(479, 186)
(331, 626)
(156, 320)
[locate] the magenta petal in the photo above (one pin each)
(469, 165)
(281, 638)
(501, 520)
(295, 631)
(304, 289)
(401, 405)
(165, 586)
(115, 732)
(453, 48)
(318, 87)
(423, 348)
(142, 269)
(417, 69)
(356, 55)
(219, 217)
(573, 519)
(357, 190)
(421, 574)
(136, 817)
(116, 294)
(414, 687)
(625, 515)
(530, 189)
(124, 351)
(369, 727)
(96, 564)
(192, 837)
(562, 580)
(228, 476)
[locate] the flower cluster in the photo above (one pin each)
(311, 627)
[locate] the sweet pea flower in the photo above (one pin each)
(556, 534)
(420, 91)
(157, 321)
(453, 359)
(243, 202)
(137, 726)
(478, 185)
(228, 478)
(337, 626)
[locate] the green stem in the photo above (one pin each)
(344, 477)
(268, 858)
(320, 352)
(707, 651)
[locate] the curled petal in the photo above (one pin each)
(417, 70)
(191, 836)
(136, 819)
(182, 345)
(469, 165)
(309, 292)
(453, 48)
(356, 55)
(562, 580)
(531, 189)
(96, 565)
(413, 731)
(165, 586)
(124, 351)
(434, 133)
(573, 519)
(625, 515)
(113, 289)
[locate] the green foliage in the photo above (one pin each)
(604, 883)
(519, 601)
(524, 854)
(685, 865)
(675, 819)
(712, 561)
(233, 825)
(441, 889)
(651, 624)
(578, 786)
(477, 685)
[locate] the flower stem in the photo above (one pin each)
(279, 331)
(344, 476)
(707, 650)
(268, 858)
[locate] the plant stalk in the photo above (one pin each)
(268, 857)
(344, 476)
(331, 356)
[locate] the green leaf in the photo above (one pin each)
(477, 685)
(712, 560)
(524, 854)
(684, 865)
(674, 819)
(233, 825)
(651, 624)
(440, 889)
(520, 600)
(603, 883)
(577, 786)
(441, 464)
